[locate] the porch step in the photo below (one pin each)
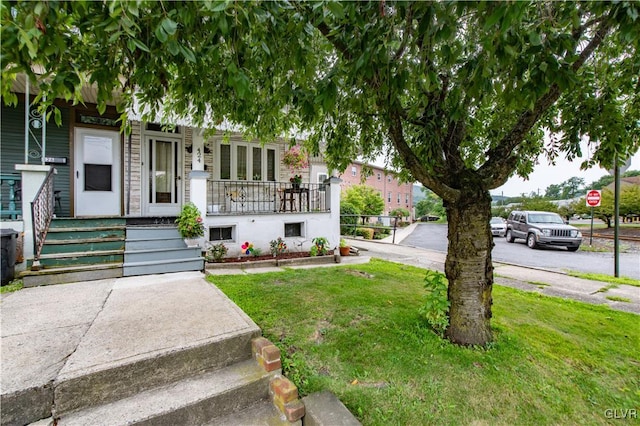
(162, 266)
(64, 275)
(158, 250)
(70, 222)
(57, 260)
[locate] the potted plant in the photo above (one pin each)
(295, 180)
(344, 248)
(190, 224)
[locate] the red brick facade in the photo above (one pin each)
(395, 194)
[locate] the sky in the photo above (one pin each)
(544, 175)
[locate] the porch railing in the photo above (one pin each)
(42, 208)
(11, 196)
(249, 197)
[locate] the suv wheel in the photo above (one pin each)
(573, 248)
(531, 241)
(509, 236)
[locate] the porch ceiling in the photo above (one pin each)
(89, 92)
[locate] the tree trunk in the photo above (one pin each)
(469, 269)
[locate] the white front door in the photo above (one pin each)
(97, 172)
(162, 175)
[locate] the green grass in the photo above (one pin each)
(605, 278)
(619, 299)
(14, 285)
(355, 330)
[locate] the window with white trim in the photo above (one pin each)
(295, 229)
(246, 161)
(222, 233)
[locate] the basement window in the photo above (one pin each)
(293, 229)
(221, 233)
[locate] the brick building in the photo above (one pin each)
(395, 194)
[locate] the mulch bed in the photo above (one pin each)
(249, 258)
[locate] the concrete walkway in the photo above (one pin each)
(56, 333)
(525, 278)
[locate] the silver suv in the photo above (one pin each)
(542, 229)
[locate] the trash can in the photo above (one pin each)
(8, 254)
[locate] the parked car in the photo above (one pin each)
(498, 226)
(542, 229)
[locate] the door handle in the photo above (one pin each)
(77, 174)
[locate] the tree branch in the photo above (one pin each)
(405, 35)
(502, 159)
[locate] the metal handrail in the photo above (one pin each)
(42, 208)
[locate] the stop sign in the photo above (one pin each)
(593, 198)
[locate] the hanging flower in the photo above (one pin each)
(295, 158)
(296, 179)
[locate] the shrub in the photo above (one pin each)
(436, 306)
(367, 233)
(277, 247)
(313, 251)
(216, 252)
(348, 223)
(322, 246)
(400, 212)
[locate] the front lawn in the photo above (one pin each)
(356, 331)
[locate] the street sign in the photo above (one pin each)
(593, 198)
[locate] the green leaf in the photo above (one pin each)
(188, 54)
(218, 6)
(169, 26)
(543, 66)
(161, 34)
(336, 9)
(534, 39)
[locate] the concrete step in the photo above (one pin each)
(194, 400)
(80, 388)
(148, 232)
(146, 255)
(163, 266)
(263, 413)
(91, 244)
(71, 274)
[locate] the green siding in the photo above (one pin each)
(12, 148)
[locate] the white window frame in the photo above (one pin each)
(233, 234)
(354, 171)
(249, 172)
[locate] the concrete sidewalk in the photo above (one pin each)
(525, 278)
(54, 334)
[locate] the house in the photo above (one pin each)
(91, 170)
(395, 193)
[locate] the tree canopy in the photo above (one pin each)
(458, 95)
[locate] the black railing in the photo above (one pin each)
(369, 226)
(248, 197)
(42, 208)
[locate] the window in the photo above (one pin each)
(225, 162)
(293, 229)
(398, 198)
(244, 161)
(388, 178)
(354, 171)
(379, 176)
(321, 178)
(406, 198)
(389, 197)
(221, 233)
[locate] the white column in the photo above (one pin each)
(198, 194)
(32, 177)
(197, 150)
(333, 204)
